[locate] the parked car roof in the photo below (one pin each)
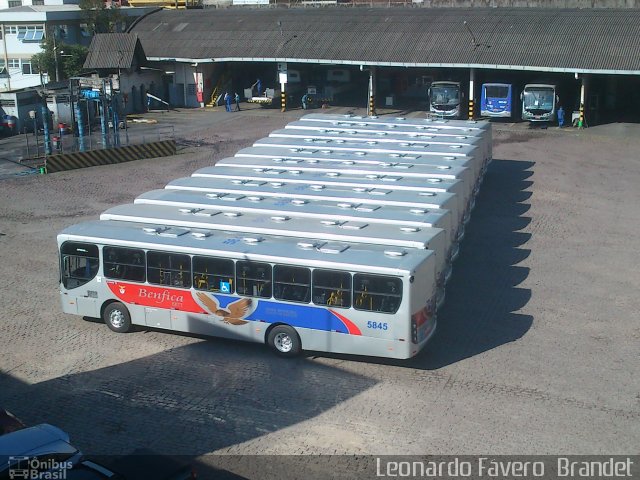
(39, 441)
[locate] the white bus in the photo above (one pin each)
(390, 182)
(324, 229)
(407, 170)
(461, 159)
(359, 148)
(322, 296)
(481, 129)
(301, 208)
(361, 197)
(475, 148)
(442, 143)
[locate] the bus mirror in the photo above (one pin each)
(429, 91)
(521, 95)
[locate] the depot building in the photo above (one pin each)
(414, 57)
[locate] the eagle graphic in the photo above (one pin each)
(234, 312)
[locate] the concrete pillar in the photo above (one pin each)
(372, 91)
(472, 79)
(583, 95)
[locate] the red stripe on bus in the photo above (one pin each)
(351, 327)
(159, 297)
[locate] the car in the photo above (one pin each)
(141, 464)
(9, 423)
(42, 448)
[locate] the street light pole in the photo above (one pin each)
(55, 56)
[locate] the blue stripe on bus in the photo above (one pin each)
(303, 316)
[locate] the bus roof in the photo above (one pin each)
(433, 137)
(405, 169)
(374, 142)
(420, 217)
(326, 229)
(540, 85)
(365, 258)
(398, 121)
(465, 153)
(362, 194)
(390, 181)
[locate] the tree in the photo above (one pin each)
(70, 59)
(99, 18)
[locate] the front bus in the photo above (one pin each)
(539, 102)
(291, 295)
(444, 99)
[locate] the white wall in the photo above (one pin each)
(23, 51)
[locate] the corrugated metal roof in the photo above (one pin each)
(571, 39)
(113, 50)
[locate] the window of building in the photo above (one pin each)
(61, 31)
(11, 30)
(85, 31)
(124, 263)
(1, 63)
(377, 293)
(292, 283)
(37, 2)
(191, 89)
(332, 288)
(30, 33)
(13, 63)
(28, 69)
(15, 3)
(213, 274)
(253, 279)
(170, 269)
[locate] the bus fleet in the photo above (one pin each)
(335, 234)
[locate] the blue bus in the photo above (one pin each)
(496, 100)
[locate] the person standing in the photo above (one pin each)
(227, 101)
(305, 99)
(560, 117)
(237, 99)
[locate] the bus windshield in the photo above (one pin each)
(449, 95)
(538, 99)
(496, 91)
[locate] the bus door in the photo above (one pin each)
(78, 266)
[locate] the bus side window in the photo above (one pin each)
(124, 263)
(292, 283)
(253, 279)
(377, 293)
(332, 288)
(171, 269)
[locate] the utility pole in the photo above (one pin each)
(55, 55)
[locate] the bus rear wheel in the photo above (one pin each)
(284, 340)
(117, 317)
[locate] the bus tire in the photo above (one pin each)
(117, 317)
(284, 340)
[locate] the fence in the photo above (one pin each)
(66, 142)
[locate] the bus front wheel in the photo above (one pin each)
(284, 340)
(117, 317)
